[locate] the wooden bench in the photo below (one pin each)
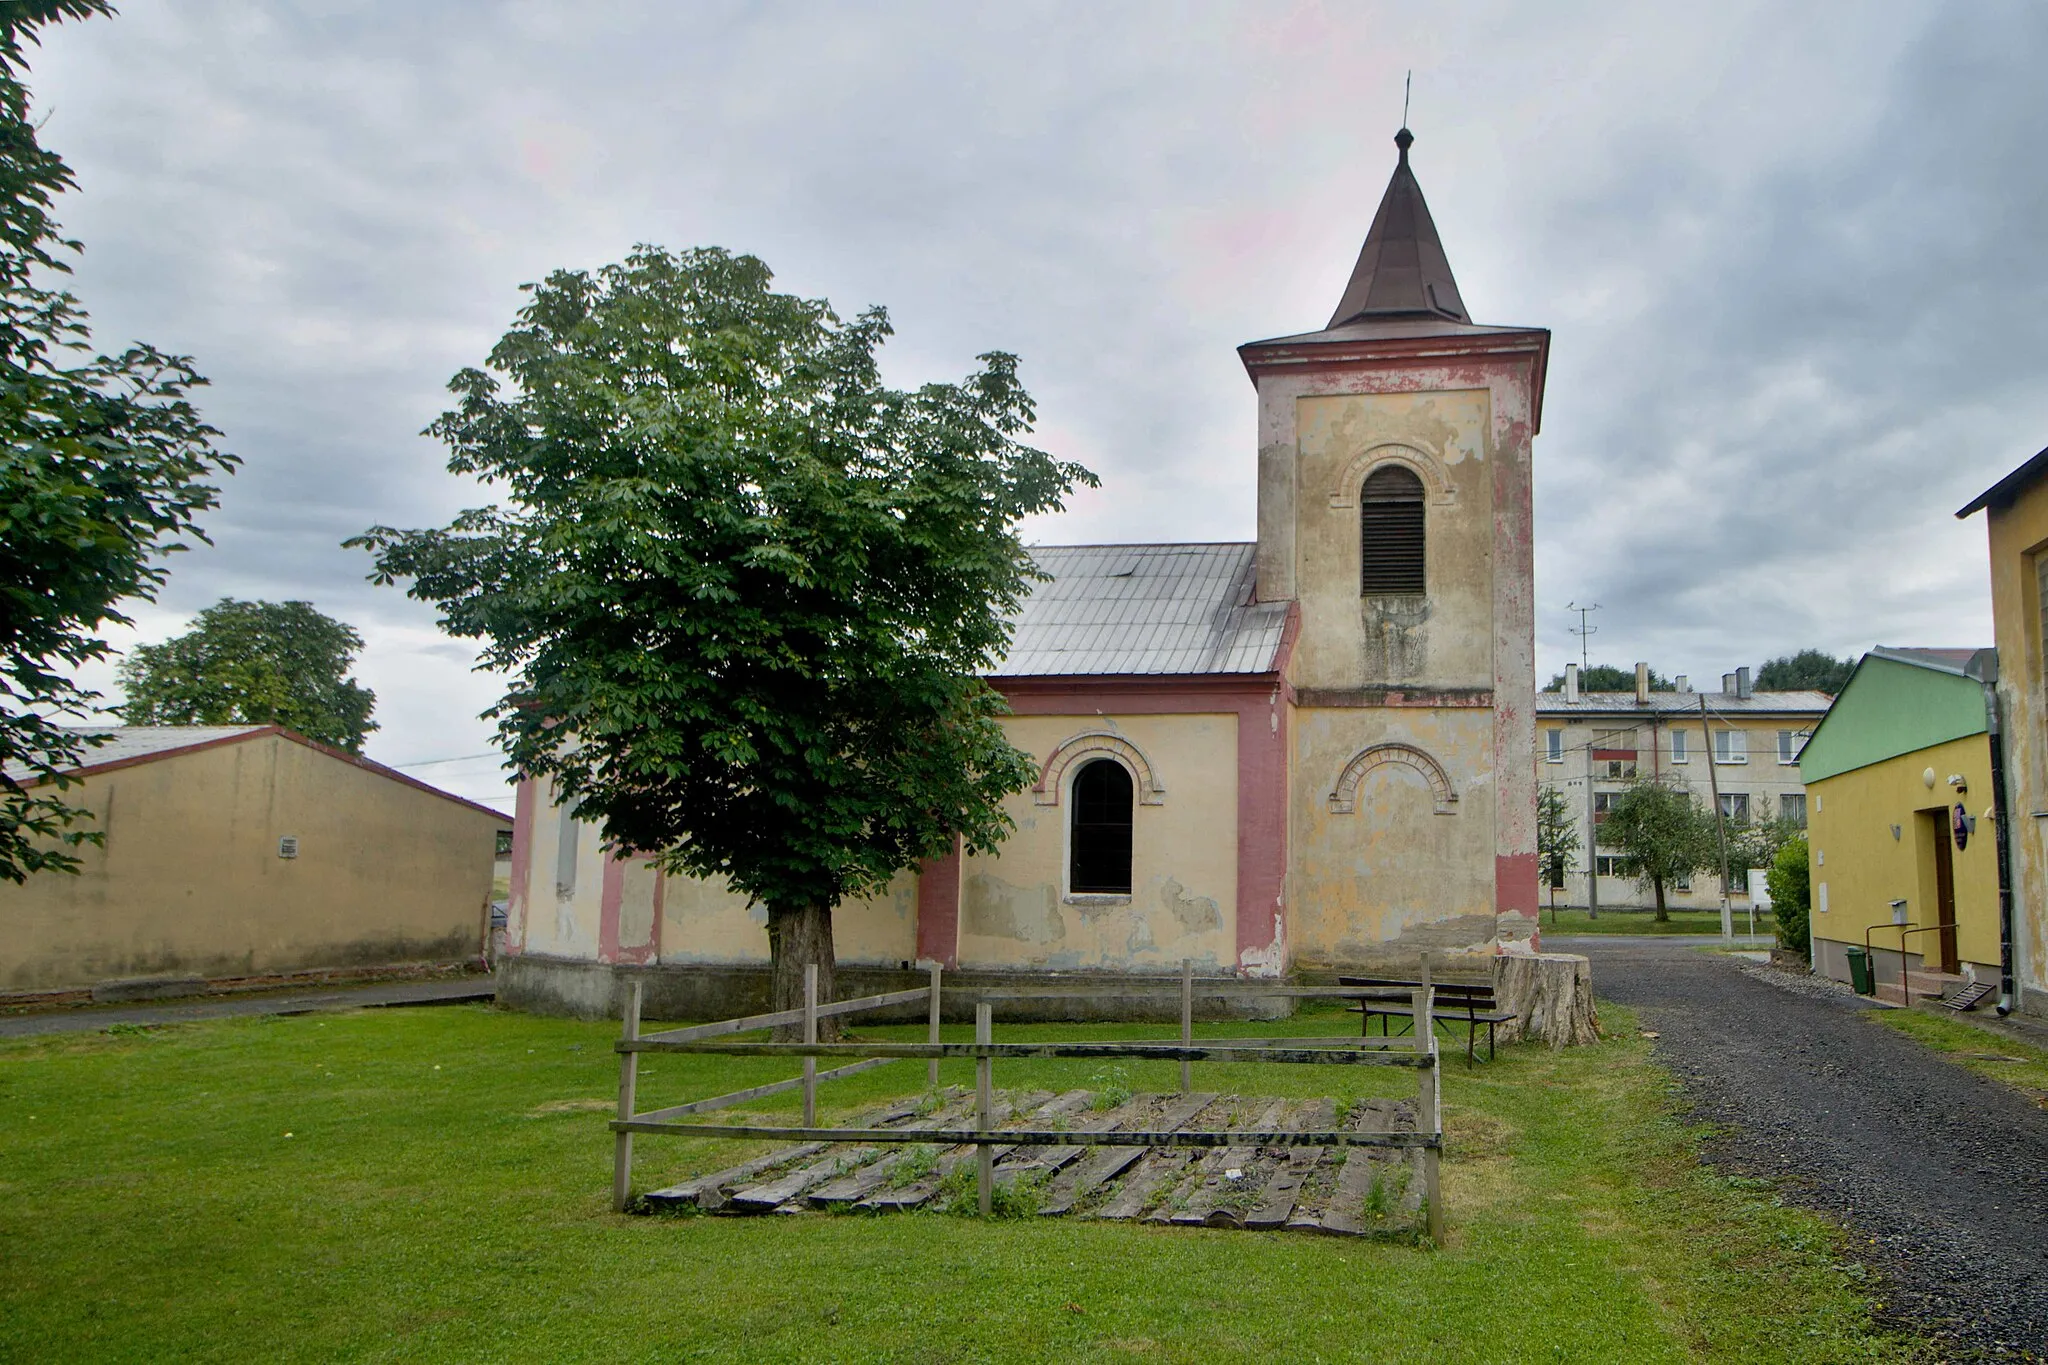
(1456, 1003)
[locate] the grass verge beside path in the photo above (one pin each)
(1988, 1053)
(1645, 922)
(434, 1185)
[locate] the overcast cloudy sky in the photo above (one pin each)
(1793, 260)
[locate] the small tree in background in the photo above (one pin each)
(104, 465)
(1810, 670)
(1608, 678)
(1791, 885)
(254, 663)
(752, 586)
(1660, 834)
(1557, 838)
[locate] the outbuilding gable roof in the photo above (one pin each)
(125, 746)
(1145, 609)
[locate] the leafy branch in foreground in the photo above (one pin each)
(744, 590)
(104, 464)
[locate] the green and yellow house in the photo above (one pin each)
(1898, 775)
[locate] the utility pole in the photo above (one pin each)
(1720, 823)
(1592, 844)
(1584, 631)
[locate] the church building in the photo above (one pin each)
(1304, 754)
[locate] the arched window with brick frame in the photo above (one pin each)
(1099, 829)
(1391, 532)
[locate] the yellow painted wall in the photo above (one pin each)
(1348, 641)
(190, 881)
(701, 921)
(1014, 910)
(1849, 834)
(1395, 877)
(2019, 541)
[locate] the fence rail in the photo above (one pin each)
(713, 1039)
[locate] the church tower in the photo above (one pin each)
(1394, 512)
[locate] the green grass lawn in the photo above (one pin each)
(1645, 922)
(434, 1185)
(1995, 1055)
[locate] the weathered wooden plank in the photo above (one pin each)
(1338, 1205)
(1350, 1054)
(1164, 988)
(1283, 1186)
(1157, 1167)
(851, 1189)
(750, 1023)
(772, 1194)
(1045, 1137)
(1220, 1199)
(1104, 1164)
(919, 1192)
(676, 1111)
(711, 1191)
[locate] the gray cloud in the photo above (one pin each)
(1790, 259)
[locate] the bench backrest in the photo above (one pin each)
(1458, 992)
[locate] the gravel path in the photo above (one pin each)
(1942, 1174)
(305, 1000)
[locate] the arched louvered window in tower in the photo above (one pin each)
(1101, 832)
(1390, 527)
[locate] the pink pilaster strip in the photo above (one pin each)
(938, 909)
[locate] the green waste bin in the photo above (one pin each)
(1859, 970)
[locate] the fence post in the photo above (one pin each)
(984, 1107)
(1187, 1018)
(1429, 1112)
(629, 1076)
(810, 1036)
(932, 1069)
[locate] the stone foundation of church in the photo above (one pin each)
(583, 989)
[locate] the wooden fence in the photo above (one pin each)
(1419, 1052)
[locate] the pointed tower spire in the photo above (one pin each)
(1402, 271)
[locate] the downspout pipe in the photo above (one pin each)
(1983, 666)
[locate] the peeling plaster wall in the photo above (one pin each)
(624, 911)
(1395, 876)
(1444, 640)
(1013, 909)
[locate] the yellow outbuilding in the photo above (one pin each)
(243, 851)
(1898, 777)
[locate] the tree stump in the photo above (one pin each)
(1550, 995)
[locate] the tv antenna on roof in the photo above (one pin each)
(1584, 631)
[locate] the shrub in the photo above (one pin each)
(1791, 886)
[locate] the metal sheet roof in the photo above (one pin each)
(128, 742)
(1139, 609)
(1683, 703)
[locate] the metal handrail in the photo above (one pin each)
(1905, 982)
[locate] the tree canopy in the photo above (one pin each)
(1809, 670)
(1660, 835)
(1608, 678)
(254, 663)
(104, 465)
(743, 589)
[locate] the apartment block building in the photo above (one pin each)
(1591, 745)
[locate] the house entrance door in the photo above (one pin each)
(1941, 953)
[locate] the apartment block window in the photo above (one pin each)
(1553, 746)
(1735, 807)
(1790, 742)
(1390, 526)
(1602, 803)
(1731, 746)
(1792, 806)
(1679, 750)
(1616, 769)
(1101, 833)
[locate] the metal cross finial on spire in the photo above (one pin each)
(1407, 88)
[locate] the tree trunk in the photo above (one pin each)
(1550, 995)
(798, 935)
(1663, 911)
